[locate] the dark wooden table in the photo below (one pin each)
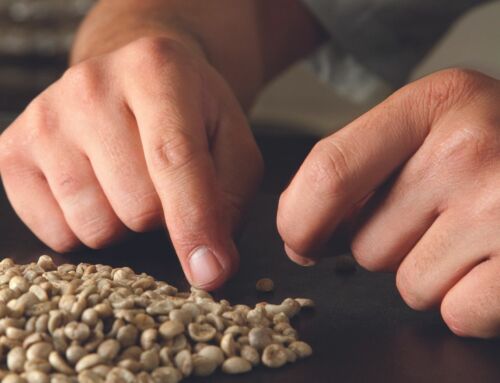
(361, 330)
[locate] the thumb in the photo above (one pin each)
(348, 166)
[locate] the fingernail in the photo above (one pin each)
(204, 266)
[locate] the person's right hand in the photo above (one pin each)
(150, 133)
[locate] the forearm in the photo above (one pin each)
(247, 41)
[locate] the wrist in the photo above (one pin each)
(90, 44)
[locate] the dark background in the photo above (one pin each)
(35, 36)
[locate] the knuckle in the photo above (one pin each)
(65, 185)
(326, 169)
(484, 210)
(39, 119)
(408, 288)
(84, 81)
(461, 79)
(149, 46)
(153, 53)
(14, 157)
(445, 88)
(175, 149)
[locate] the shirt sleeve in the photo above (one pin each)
(381, 40)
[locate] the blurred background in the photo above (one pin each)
(35, 36)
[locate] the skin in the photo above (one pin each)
(147, 128)
(416, 179)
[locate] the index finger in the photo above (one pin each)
(173, 129)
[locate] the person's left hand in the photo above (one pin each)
(422, 169)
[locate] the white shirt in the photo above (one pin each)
(379, 41)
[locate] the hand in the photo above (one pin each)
(422, 169)
(146, 135)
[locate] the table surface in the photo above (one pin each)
(361, 331)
